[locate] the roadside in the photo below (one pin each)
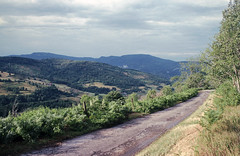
(181, 140)
(130, 137)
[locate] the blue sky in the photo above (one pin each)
(171, 29)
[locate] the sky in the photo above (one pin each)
(170, 29)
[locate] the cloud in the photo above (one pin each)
(2, 21)
(46, 21)
(108, 27)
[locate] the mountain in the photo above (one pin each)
(145, 63)
(45, 55)
(83, 75)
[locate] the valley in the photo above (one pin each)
(21, 78)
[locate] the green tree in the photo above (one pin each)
(151, 94)
(132, 98)
(114, 96)
(192, 76)
(85, 101)
(223, 56)
(167, 90)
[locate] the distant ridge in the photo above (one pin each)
(86, 76)
(142, 62)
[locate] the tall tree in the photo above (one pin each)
(223, 56)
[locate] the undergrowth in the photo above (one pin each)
(221, 135)
(44, 123)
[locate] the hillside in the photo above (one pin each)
(145, 63)
(82, 75)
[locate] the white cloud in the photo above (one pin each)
(162, 23)
(109, 27)
(22, 2)
(109, 5)
(47, 21)
(204, 3)
(2, 22)
(198, 21)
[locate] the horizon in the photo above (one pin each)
(92, 57)
(174, 29)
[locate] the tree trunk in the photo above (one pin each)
(85, 109)
(236, 79)
(132, 103)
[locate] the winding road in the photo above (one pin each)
(129, 138)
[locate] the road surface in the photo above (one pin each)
(128, 138)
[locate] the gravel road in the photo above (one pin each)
(128, 138)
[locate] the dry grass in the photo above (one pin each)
(223, 137)
(181, 139)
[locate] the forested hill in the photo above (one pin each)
(145, 63)
(79, 74)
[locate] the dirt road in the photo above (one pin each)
(128, 138)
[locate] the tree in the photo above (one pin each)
(132, 98)
(114, 96)
(167, 90)
(223, 56)
(192, 76)
(151, 94)
(85, 100)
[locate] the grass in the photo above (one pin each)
(223, 137)
(169, 142)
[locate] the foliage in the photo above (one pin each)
(226, 95)
(163, 102)
(222, 58)
(114, 96)
(167, 90)
(46, 96)
(192, 76)
(131, 100)
(76, 74)
(222, 137)
(42, 122)
(151, 94)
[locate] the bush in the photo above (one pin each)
(226, 95)
(41, 122)
(222, 137)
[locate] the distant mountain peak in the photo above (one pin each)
(142, 62)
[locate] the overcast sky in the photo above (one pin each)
(172, 29)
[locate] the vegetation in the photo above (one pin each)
(91, 114)
(141, 62)
(221, 123)
(180, 139)
(222, 58)
(218, 65)
(46, 96)
(76, 74)
(192, 76)
(221, 61)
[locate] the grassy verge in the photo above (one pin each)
(180, 139)
(223, 137)
(221, 134)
